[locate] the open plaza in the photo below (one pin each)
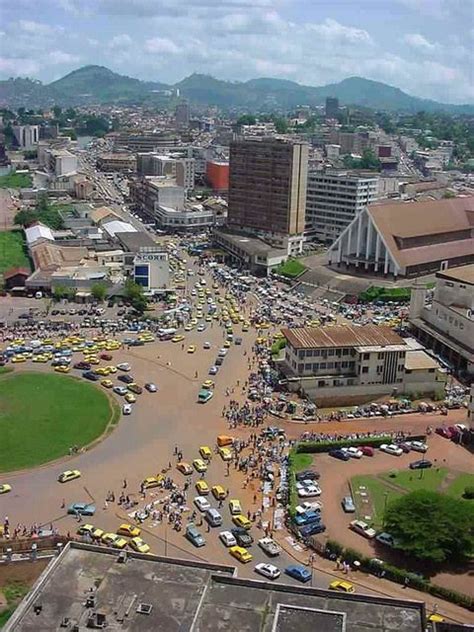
(171, 438)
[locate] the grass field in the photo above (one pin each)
(372, 493)
(42, 415)
(291, 268)
(301, 461)
(12, 251)
(15, 181)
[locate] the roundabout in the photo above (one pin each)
(42, 416)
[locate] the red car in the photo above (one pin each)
(106, 356)
(444, 432)
(367, 450)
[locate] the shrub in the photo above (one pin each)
(469, 492)
(325, 446)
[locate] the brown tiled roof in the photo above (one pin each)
(341, 336)
(11, 272)
(433, 217)
(48, 256)
(465, 274)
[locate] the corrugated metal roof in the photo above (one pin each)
(342, 336)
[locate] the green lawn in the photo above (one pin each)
(301, 461)
(12, 251)
(291, 268)
(456, 488)
(5, 615)
(42, 415)
(377, 494)
(384, 488)
(412, 480)
(15, 181)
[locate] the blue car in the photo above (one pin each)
(307, 517)
(301, 573)
(312, 529)
(339, 454)
(85, 509)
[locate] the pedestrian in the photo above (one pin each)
(124, 484)
(63, 503)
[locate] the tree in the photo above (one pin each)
(134, 293)
(246, 119)
(59, 292)
(99, 291)
(431, 527)
(57, 111)
(25, 217)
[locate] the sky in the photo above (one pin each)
(425, 47)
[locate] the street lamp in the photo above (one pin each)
(385, 505)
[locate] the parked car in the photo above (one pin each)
(348, 504)
(385, 538)
(309, 475)
(421, 464)
(367, 450)
(339, 454)
(418, 446)
(269, 546)
(242, 536)
(391, 448)
(84, 509)
(353, 452)
(307, 517)
(313, 528)
(227, 538)
(194, 536)
(202, 503)
(267, 570)
(126, 379)
(444, 432)
(301, 573)
(362, 528)
(150, 387)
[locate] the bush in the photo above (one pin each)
(277, 346)
(469, 492)
(325, 446)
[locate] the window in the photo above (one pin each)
(365, 369)
(316, 352)
(300, 368)
(330, 365)
(331, 352)
(380, 356)
(408, 371)
(345, 352)
(322, 365)
(366, 356)
(321, 383)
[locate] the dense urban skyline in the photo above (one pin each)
(422, 46)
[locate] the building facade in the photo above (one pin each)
(343, 362)
(217, 174)
(27, 136)
(446, 325)
(407, 239)
(117, 162)
(332, 107)
(151, 270)
(267, 190)
(333, 199)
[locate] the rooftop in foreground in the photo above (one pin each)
(146, 593)
(342, 336)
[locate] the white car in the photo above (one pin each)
(418, 446)
(354, 452)
(362, 528)
(267, 570)
(270, 547)
(124, 366)
(308, 506)
(391, 448)
(206, 345)
(127, 409)
(309, 492)
(227, 538)
(201, 327)
(202, 503)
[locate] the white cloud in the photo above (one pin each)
(164, 45)
(59, 57)
(420, 43)
(332, 31)
(36, 28)
(18, 66)
(121, 41)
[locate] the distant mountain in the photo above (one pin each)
(97, 84)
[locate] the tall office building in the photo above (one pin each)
(333, 199)
(182, 114)
(267, 190)
(332, 107)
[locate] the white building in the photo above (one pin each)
(27, 136)
(151, 269)
(196, 218)
(447, 323)
(407, 238)
(333, 199)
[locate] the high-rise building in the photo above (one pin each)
(332, 107)
(182, 114)
(333, 199)
(267, 190)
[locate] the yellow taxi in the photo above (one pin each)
(107, 383)
(242, 521)
(129, 530)
(206, 452)
(178, 338)
(199, 465)
(62, 369)
(40, 358)
(111, 368)
(226, 454)
(112, 539)
(151, 481)
(235, 507)
(130, 398)
(218, 492)
(191, 348)
(202, 488)
(69, 475)
(188, 327)
(208, 384)
(342, 586)
(92, 359)
(17, 359)
(89, 529)
(226, 344)
(138, 545)
(102, 370)
(240, 554)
